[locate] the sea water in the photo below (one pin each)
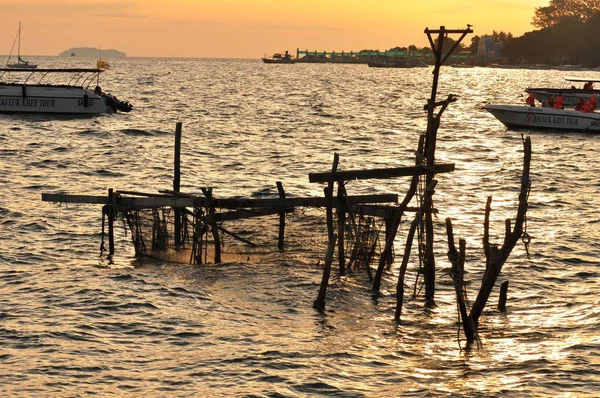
(73, 324)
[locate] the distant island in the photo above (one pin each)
(91, 52)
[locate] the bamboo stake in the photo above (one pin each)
(319, 303)
(177, 181)
(503, 296)
(111, 216)
(214, 227)
(329, 198)
(281, 238)
(341, 213)
(400, 285)
(457, 277)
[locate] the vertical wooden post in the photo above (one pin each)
(503, 295)
(432, 127)
(281, 217)
(457, 277)
(341, 213)
(111, 233)
(400, 285)
(329, 198)
(388, 232)
(177, 181)
(433, 122)
(319, 303)
(213, 225)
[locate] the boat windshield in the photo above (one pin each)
(74, 77)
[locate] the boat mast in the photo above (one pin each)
(19, 45)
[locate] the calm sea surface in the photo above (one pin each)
(71, 324)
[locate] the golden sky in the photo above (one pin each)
(247, 28)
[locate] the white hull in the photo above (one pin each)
(16, 98)
(518, 116)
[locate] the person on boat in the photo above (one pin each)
(588, 86)
(549, 103)
(558, 102)
(579, 104)
(589, 105)
(530, 100)
(98, 90)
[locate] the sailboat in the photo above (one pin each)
(21, 63)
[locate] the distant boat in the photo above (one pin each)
(278, 58)
(21, 63)
(72, 54)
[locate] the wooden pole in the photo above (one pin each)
(177, 181)
(429, 266)
(213, 227)
(457, 277)
(226, 203)
(503, 296)
(341, 213)
(329, 198)
(110, 216)
(281, 217)
(433, 124)
(432, 127)
(400, 285)
(319, 303)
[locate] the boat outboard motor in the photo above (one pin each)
(116, 104)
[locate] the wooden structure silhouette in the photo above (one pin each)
(173, 221)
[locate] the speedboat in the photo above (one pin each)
(571, 93)
(530, 117)
(19, 95)
(278, 58)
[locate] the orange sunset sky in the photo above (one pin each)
(246, 28)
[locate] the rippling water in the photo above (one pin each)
(73, 325)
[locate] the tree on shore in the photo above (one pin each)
(582, 10)
(570, 41)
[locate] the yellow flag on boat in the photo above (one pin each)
(100, 64)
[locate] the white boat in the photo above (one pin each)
(571, 93)
(21, 63)
(18, 95)
(529, 117)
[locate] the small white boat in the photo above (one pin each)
(529, 117)
(571, 93)
(21, 63)
(18, 95)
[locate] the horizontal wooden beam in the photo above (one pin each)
(378, 173)
(231, 203)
